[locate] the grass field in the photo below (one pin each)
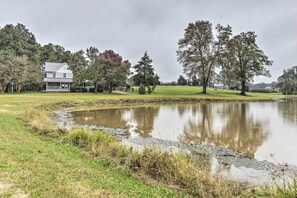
(31, 165)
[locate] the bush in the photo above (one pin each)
(141, 89)
(100, 89)
(263, 91)
(78, 89)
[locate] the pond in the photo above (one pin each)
(256, 129)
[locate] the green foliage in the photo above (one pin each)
(19, 71)
(19, 41)
(287, 82)
(198, 50)
(144, 74)
(244, 59)
(141, 89)
(181, 81)
(78, 89)
(114, 69)
(54, 53)
(78, 66)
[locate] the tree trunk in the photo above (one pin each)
(110, 88)
(204, 86)
(204, 89)
(18, 88)
(2, 90)
(243, 88)
(96, 88)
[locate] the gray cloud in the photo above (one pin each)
(131, 27)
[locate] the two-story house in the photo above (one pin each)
(57, 76)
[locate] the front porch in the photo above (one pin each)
(57, 86)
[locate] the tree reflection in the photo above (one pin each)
(144, 118)
(112, 118)
(240, 132)
(288, 108)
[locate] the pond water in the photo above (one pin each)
(256, 129)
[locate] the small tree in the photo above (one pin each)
(181, 80)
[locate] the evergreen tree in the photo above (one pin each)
(145, 74)
(181, 80)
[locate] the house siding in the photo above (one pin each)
(55, 78)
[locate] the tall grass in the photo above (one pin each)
(170, 168)
(38, 120)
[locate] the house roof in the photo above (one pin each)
(48, 66)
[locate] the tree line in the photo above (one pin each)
(200, 52)
(21, 57)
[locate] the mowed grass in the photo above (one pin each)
(39, 167)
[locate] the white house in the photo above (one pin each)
(57, 76)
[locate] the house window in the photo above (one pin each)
(64, 75)
(54, 75)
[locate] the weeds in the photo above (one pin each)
(37, 119)
(171, 168)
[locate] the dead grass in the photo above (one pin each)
(172, 169)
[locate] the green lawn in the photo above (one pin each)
(36, 166)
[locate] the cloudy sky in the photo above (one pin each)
(131, 27)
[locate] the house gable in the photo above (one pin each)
(64, 69)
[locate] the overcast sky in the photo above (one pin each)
(131, 27)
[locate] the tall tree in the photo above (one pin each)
(115, 70)
(95, 67)
(54, 53)
(198, 50)
(78, 66)
(245, 59)
(144, 73)
(19, 41)
(287, 82)
(18, 71)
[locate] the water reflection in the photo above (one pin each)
(142, 120)
(288, 108)
(240, 131)
(256, 129)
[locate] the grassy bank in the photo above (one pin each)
(34, 165)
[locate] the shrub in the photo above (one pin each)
(263, 91)
(80, 137)
(141, 89)
(78, 89)
(100, 89)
